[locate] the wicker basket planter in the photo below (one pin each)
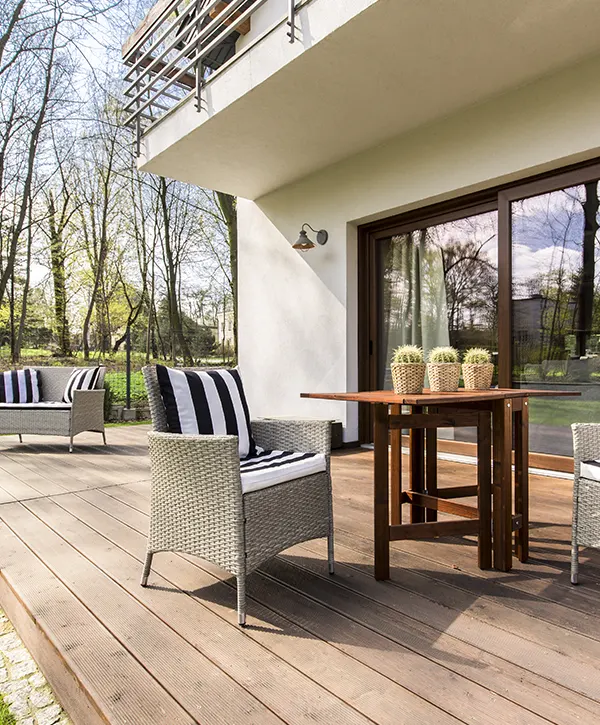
(443, 377)
(478, 376)
(408, 378)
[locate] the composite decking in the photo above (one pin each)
(441, 643)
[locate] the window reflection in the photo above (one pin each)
(440, 287)
(556, 309)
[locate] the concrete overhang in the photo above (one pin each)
(360, 73)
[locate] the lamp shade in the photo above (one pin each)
(303, 243)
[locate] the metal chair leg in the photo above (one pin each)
(241, 599)
(574, 564)
(146, 572)
(104, 438)
(20, 438)
(330, 554)
(71, 445)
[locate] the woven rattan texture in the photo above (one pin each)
(443, 377)
(478, 377)
(586, 493)
(197, 505)
(408, 378)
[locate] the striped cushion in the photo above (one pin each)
(20, 386)
(268, 468)
(207, 402)
(81, 379)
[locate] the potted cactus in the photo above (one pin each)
(478, 369)
(408, 370)
(443, 369)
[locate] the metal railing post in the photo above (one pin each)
(128, 369)
(292, 20)
(199, 64)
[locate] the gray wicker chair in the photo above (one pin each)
(197, 504)
(586, 493)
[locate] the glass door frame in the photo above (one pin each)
(498, 199)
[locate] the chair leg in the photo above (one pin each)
(241, 599)
(104, 437)
(146, 572)
(71, 445)
(20, 438)
(574, 564)
(330, 555)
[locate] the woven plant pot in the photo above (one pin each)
(443, 377)
(408, 378)
(478, 376)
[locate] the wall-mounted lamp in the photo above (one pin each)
(304, 243)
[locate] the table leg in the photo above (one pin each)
(417, 468)
(396, 469)
(381, 502)
(484, 490)
(522, 480)
(502, 484)
(431, 469)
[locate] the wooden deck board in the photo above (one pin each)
(442, 642)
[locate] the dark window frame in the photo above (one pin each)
(498, 199)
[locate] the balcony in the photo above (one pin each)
(220, 97)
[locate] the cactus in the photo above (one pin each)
(443, 355)
(476, 356)
(408, 354)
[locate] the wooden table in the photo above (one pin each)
(510, 413)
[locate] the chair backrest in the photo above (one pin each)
(157, 408)
(53, 381)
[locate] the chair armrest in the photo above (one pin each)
(586, 443)
(87, 412)
(310, 436)
(196, 497)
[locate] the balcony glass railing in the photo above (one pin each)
(175, 50)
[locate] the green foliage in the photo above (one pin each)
(6, 718)
(408, 354)
(477, 356)
(443, 355)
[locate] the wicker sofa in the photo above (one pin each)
(198, 505)
(53, 417)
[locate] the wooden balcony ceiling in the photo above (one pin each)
(441, 643)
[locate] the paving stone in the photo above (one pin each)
(49, 715)
(23, 687)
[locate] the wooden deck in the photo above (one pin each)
(441, 643)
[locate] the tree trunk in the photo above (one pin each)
(57, 267)
(23, 319)
(228, 206)
(177, 332)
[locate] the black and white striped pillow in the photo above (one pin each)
(81, 379)
(207, 402)
(20, 386)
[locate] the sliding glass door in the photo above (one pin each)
(556, 309)
(437, 285)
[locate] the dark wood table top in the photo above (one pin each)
(429, 398)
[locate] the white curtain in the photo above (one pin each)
(414, 296)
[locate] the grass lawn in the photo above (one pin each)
(563, 411)
(5, 717)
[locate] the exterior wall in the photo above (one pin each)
(298, 312)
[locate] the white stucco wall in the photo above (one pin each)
(297, 312)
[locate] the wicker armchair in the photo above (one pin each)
(197, 503)
(586, 493)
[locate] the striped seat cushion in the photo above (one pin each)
(20, 386)
(81, 379)
(268, 468)
(590, 469)
(206, 402)
(41, 405)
